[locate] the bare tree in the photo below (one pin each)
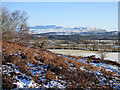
(23, 35)
(41, 42)
(72, 44)
(86, 44)
(101, 54)
(95, 45)
(58, 43)
(14, 26)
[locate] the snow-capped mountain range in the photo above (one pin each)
(61, 30)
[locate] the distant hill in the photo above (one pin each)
(61, 30)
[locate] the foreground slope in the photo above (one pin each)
(25, 67)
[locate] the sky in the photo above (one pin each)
(102, 15)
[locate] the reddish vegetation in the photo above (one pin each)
(75, 78)
(50, 75)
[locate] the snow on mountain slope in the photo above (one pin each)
(59, 29)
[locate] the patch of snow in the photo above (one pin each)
(30, 64)
(14, 54)
(16, 71)
(82, 68)
(73, 68)
(33, 85)
(19, 84)
(56, 84)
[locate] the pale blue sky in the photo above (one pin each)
(94, 14)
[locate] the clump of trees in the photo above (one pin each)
(15, 27)
(41, 42)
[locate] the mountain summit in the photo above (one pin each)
(61, 30)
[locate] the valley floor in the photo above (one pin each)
(113, 56)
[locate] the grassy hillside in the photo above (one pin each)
(25, 67)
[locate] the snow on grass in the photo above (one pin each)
(56, 84)
(108, 67)
(6, 69)
(113, 82)
(19, 84)
(32, 84)
(113, 56)
(30, 64)
(72, 67)
(82, 68)
(98, 74)
(28, 84)
(23, 80)
(37, 70)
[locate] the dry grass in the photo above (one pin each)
(77, 77)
